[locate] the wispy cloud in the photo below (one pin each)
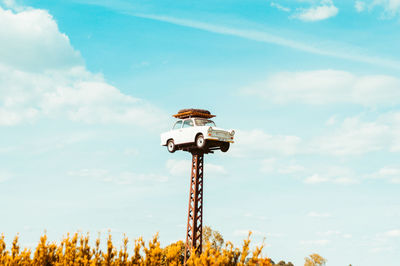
(333, 175)
(324, 11)
(318, 178)
(332, 233)
(271, 165)
(319, 242)
(391, 8)
(389, 173)
(182, 167)
(327, 86)
(359, 6)
(392, 233)
(123, 178)
(280, 7)
(242, 232)
(337, 50)
(4, 176)
(319, 214)
(355, 136)
(259, 142)
(349, 53)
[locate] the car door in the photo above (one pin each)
(188, 131)
(177, 132)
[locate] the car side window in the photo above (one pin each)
(177, 125)
(188, 123)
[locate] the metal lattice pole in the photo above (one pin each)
(195, 213)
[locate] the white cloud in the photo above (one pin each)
(319, 242)
(391, 7)
(333, 175)
(48, 143)
(92, 173)
(327, 87)
(387, 172)
(215, 169)
(4, 176)
(178, 167)
(280, 7)
(330, 233)
(315, 179)
(333, 233)
(291, 169)
(131, 152)
(382, 249)
(325, 10)
(246, 233)
(330, 174)
(257, 141)
(334, 50)
(123, 178)
(128, 178)
(345, 181)
(395, 180)
(31, 41)
(270, 165)
(41, 75)
(331, 121)
(360, 6)
(183, 167)
(392, 233)
(57, 142)
(356, 137)
(319, 214)
(351, 136)
(255, 216)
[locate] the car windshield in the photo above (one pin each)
(204, 122)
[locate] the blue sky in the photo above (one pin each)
(311, 88)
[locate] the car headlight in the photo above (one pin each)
(209, 129)
(232, 132)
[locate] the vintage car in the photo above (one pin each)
(198, 133)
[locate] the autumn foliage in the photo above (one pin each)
(76, 250)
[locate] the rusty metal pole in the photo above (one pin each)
(194, 233)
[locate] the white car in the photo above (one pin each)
(196, 132)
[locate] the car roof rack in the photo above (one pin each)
(187, 113)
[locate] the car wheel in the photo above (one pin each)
(225, 146)
(171, 146)
(200, 141)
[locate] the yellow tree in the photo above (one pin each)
(314, 260)
(213, 237)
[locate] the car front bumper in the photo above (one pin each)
(220, 139)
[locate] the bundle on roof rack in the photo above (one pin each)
(186, 113)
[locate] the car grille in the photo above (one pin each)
(221, 134)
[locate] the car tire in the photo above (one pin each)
(200, 141)
(171, 146)
(225, 146)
